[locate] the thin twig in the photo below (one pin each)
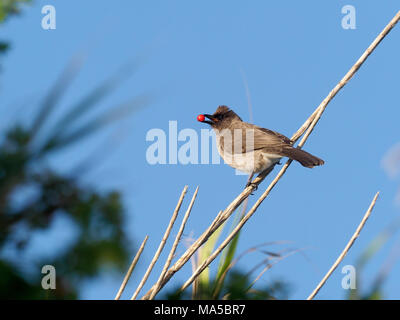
(132, 266)
(162, 244)
(174, 246)
(221, 279)
(309, 126)
(216, 219)
(346, 249)
(270, 265)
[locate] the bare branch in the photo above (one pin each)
(346, 249)
(162, 244)
(132, 266)
(174, 246)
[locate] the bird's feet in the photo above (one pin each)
(255, 186)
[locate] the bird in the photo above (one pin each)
(250, 148)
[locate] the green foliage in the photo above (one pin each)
(236, 287)
(228, 254)
(97, 217)
(374, 291)
(238, 284)
(229, 283)
(203, 280)
(3, 46)
(33, 194)
(10, 7)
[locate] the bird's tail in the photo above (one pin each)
(306, 159)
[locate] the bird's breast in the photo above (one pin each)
(251, 161)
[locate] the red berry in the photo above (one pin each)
(200, 117)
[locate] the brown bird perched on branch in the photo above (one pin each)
(249, 148)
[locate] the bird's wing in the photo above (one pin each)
(250, 137)
(268, 140)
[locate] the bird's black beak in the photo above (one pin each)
(209, 116)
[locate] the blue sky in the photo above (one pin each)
(292, 54)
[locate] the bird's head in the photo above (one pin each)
(221, 118)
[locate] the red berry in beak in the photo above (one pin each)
(201, 117)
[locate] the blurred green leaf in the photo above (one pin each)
(4, 46)
(56, 92)
(377, 243)
(92, 99)
(235, 287)
(203, 280)
(34, 195)
(117, 113)
(10, 7)
(229, 252)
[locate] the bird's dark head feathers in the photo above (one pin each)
(222, 117)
